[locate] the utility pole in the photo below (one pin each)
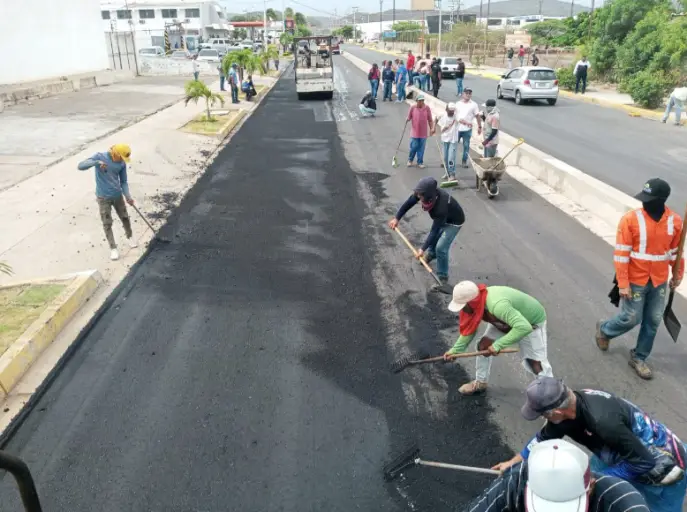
(133, 36)
(381, 33)
(264, 25)
(440, 30)
(589, 29)
(541, 5)
(486, 31)
(355, 28)
(572, 8)
(393, 14)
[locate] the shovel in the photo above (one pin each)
(670, 320)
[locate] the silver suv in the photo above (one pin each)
(529, 83)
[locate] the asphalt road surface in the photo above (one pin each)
(603, 142)
(246, 367)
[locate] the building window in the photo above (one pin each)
(124, 15)
(220, 14)
(146, 14)
(494, 22)
(169, 13)
(193, 13)
(105, 15)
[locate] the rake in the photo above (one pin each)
(411, 458)
(422, 357)
(157, 237)
(394, 160)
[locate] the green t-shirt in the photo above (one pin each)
(514, 308)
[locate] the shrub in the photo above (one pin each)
(566, 79)
(648, 89)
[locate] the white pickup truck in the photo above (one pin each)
(314, 67)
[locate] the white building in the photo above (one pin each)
(147, 19)
(48, 38)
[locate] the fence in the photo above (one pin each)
(121, 51)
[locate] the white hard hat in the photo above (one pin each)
(451, 106)
(558, 478)
(463, 292)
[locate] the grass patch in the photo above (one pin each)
(20, 306)
(220, 123)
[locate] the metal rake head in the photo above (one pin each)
(403, 363)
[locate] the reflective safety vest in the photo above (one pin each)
(646, 249)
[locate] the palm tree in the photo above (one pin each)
(270, 53)
(253, 64)
(271, 14)
(195, 89)
(286, 40)
(288, 12)
(5, 268)
(300, 19)
(240, 57)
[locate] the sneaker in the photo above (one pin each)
(601, 340)
(409, 164)
(444, 287)
(133, 243)
(475, 387)
(640, 367)
(445, 177)
(663, 121)
(421, 166)
(114, 254)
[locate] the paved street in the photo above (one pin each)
(603, 142)
(245, 367)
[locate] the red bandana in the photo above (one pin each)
(469, 322)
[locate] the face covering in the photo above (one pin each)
(655, 208)
(428, 205)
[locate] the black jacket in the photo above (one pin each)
(446, 210)
(507, 494)
(460, 71)
(368, 101)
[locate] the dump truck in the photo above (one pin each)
(314, 67)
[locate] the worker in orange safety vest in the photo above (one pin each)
(646, 247)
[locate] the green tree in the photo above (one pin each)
(286, 40)
(270, 53)
(195, 90)
(546, 32)
(272, 14)
(288, 12)
(347, 31)
(303, 31)
(300, 19)
(406, 26)
(239, 33)
(643, 44)
(239, 17)
(240, 57)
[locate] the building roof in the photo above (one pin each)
(511, 8)
(388, 15)
(135, 4)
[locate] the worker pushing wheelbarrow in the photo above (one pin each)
(489, 170)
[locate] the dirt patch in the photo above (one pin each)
(218, 124)
(20, 306)
(164, 203)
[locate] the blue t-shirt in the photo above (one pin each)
(401, 74)
(111, 182)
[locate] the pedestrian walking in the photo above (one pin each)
(460, 76)
(410, 66)
(388, 76)
(624, 440)
(447, 219)
(368, 105)
(401, 80)
(535, 58)
(646, 245)
(513, 317)
(521, 55)
(373, 77)
(467, 112)
(581, 69)
(557, 477)
(509, 57)
(420, 118)
(196, 67)
(111, 191)
(492, 124)
(435, 74)
(448, 124)
(222, 77)
(427, 75)
(677, 99)
(234, 83)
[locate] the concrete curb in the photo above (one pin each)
(28, 347)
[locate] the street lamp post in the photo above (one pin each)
(355, 28)
(440, 27)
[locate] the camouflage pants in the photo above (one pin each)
(105, 205)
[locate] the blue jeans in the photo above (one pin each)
(374, 85)
(234, 93)
(459, 86)
(659, 499)
(678, 110)
(221, 83)
(387, 89)
(195, 75)
(490, 151)
(401, 91)
(645, 307)
(417, 147)
(450, 158)
(583, 79)
(466, 135)
(417, 81)
(440, 250)
(425, 85)
(366, 111)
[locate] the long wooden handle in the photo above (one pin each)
(443, 465)
(412, 248)
(680, 247)
(462, 355)
(520, 141)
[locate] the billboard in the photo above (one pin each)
(290, 25)
(421, 5)
(447, 21)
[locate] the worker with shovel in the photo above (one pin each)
(557, 478)
(625, 441)
(513, 317)
(447, 219)
(646, 246)
(111, 189)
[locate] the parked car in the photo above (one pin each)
(449, 67)
(180, 55)
(529, 83)
(208, 54)
(152, 51)
(221, 45)
(336, 49)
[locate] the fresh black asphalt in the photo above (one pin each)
(603, 142)
(246, 367)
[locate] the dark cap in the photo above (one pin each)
(655, 188)
(543, 395)
(426, 186)
(490, 103)
(467, 89)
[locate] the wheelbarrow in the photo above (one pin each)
(489, 171)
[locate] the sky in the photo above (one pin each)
(341, 7)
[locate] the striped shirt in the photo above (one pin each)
(507, 494)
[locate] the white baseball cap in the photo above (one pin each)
(463, 292)
(558, 478)
(451, 106)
